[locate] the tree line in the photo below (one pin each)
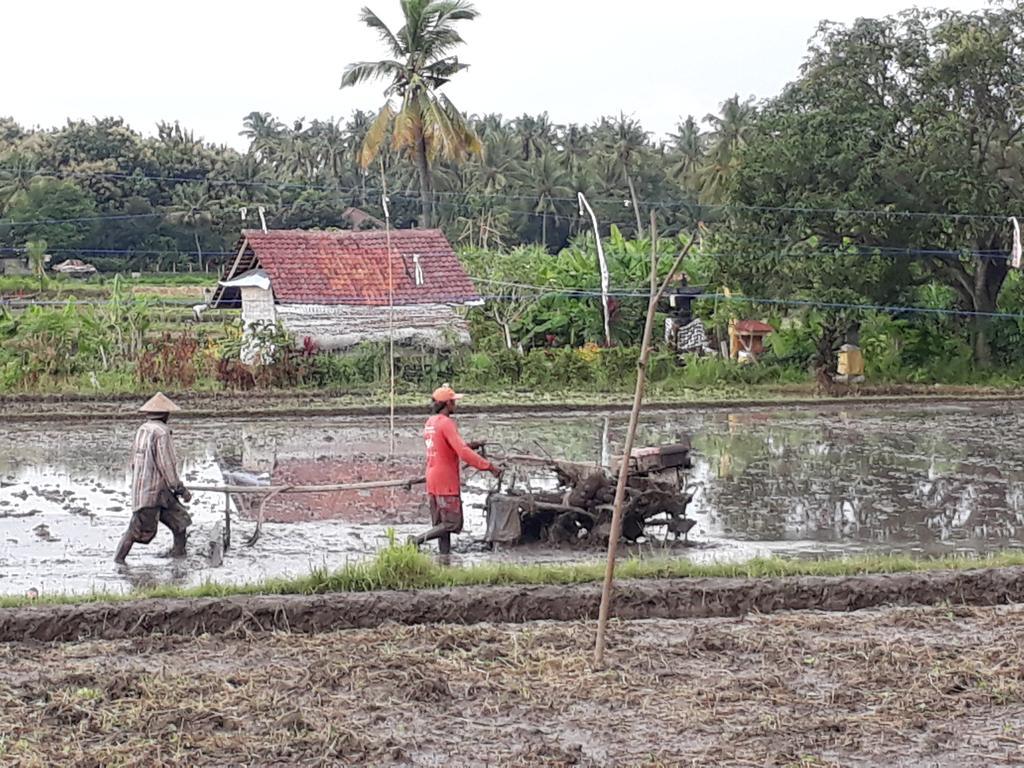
(179, 196)
(883, 174)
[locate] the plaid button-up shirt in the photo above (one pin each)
(154, 466)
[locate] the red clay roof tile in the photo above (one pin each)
(753, 327)
(347, 267)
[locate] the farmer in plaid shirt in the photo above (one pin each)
(157, 491)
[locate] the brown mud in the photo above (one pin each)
(641, 599)
(903, 687)
(221, 405)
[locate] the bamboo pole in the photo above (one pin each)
(391, 308)
(307, 488)
(602, 267)
(634, 416)
(270, 491)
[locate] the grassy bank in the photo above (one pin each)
(403, 568)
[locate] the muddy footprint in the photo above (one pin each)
(43, 532)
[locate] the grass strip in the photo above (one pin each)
(403, 568)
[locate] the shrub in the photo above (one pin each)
(172, 361)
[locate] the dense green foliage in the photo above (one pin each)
(173, 189)
(848, 188)
(923, 112)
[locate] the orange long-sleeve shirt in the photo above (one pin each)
(445, 447)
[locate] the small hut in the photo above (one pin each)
(746, 339)
(11, 265)
(75, 268)
(332, 287)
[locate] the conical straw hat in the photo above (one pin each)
(159, 403)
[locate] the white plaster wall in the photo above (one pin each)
(338, 327)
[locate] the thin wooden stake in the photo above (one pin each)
(227, 521)
(391, 307)
(634, 417)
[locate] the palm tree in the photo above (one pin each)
(193, 212)
(626, 140)
(263, 131)
(548, 184)
(687, 152)
(534, 134)
(20, 172)
(491, 127)
(427, 123)
(729, 133)
(489, 175)
(576, 145)
(330, 145)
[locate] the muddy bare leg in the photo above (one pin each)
(124, 548)
(443, 533)
(178, 550)
(176, 518)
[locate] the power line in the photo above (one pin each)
(122, 251)
(450, 204)
(83, 219)
(543, 291)
(413, 194)
(890, 309)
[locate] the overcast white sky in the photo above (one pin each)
(210, 63)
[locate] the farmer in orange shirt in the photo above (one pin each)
(445, 447)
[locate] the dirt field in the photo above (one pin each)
(637, 599)
(897, 686)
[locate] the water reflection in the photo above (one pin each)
(918, 480)
(776, 480)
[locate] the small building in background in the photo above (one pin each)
(11, 266)
(747, 339)
(74, 268)
(357, 218)
(332, 287)
(683, 332)
(850, 364)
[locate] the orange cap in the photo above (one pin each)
(444, 394)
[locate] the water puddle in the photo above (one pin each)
(804, 481)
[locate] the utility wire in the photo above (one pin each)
(544, 291)
(844, 211)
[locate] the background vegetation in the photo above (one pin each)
(882, 176)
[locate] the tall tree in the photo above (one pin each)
(426, 123)
(193, 213)
(58, 212)
(687, 153)
(626, 141)
(263, 131)
(921, 112)
(534, 134)
(548, 185)
(19, 170)
(729, 133)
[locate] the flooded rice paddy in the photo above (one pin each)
(802, 481)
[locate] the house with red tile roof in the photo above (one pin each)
(341, 288)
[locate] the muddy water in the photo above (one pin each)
(802, 481)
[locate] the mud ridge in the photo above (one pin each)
(646, 599)
(84, 409)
